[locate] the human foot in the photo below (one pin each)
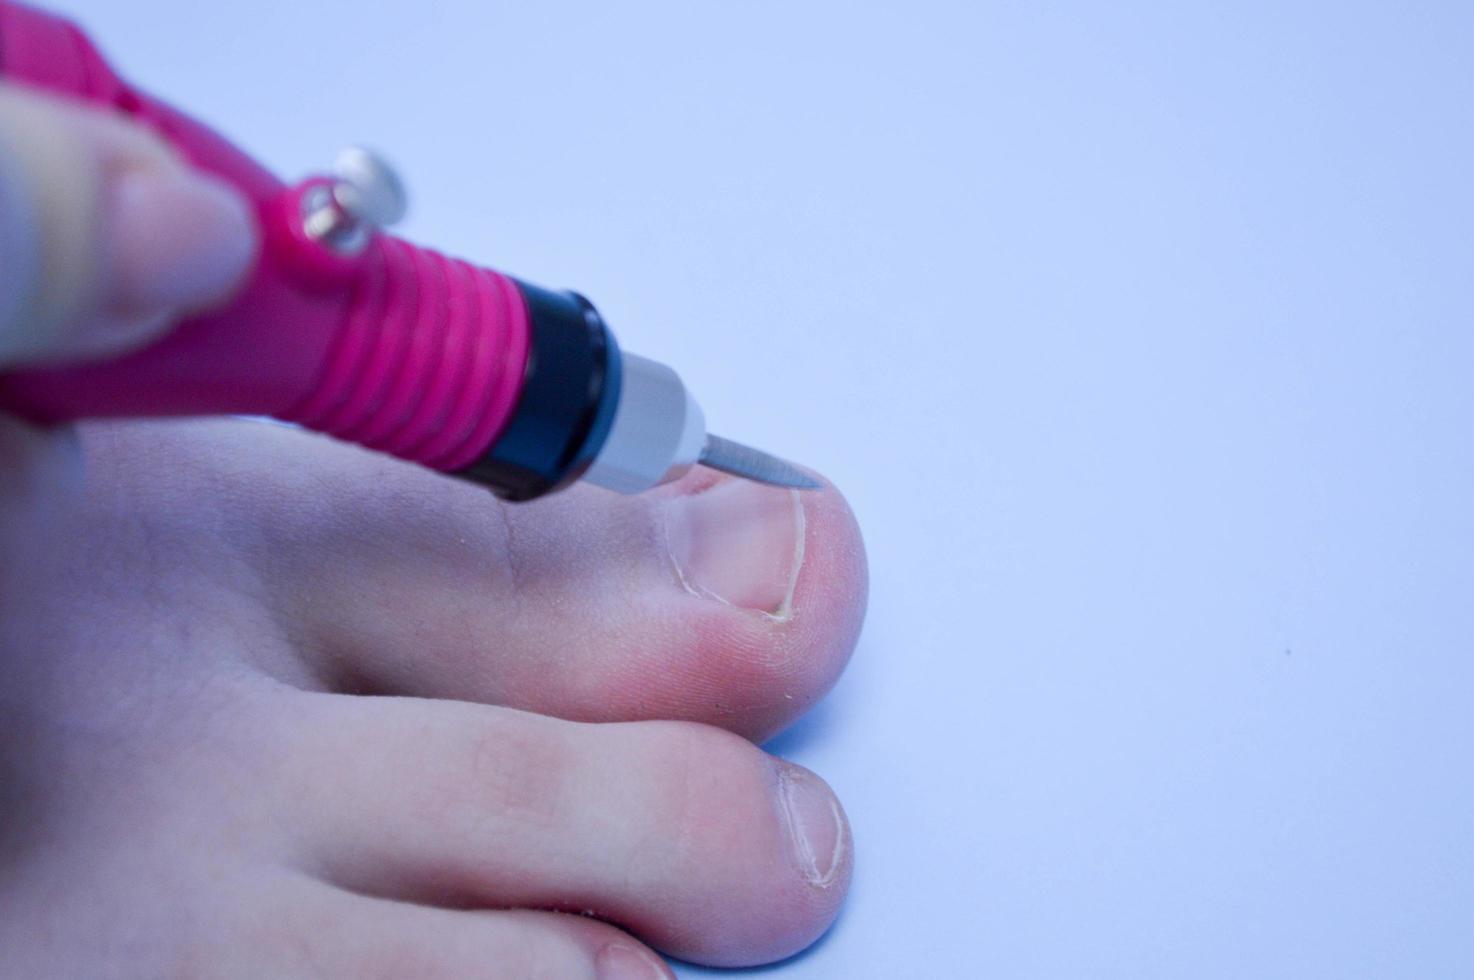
(277, 707)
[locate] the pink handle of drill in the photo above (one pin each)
(397, 348)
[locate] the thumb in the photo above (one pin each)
(105, 235)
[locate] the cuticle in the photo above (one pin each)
(784, 613)
(805, 858)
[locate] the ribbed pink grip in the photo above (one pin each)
(428, 362)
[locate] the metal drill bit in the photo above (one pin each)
(748, 463)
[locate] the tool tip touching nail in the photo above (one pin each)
(751, 464)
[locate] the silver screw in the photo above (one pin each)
(367, 195)
(368, 188)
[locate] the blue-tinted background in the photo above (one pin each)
(1139, 335)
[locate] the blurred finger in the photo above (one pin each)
(105, 235)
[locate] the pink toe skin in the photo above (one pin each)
(747, 671)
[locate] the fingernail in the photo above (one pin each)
(617, 962)
(817, 830)
(181, 241)
(739, 542)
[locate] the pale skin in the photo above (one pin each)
(273, 706)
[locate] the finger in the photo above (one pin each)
(330, 932)
(712, 600)
(688, 836)
(105, 234)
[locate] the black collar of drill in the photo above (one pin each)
(567, 405)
